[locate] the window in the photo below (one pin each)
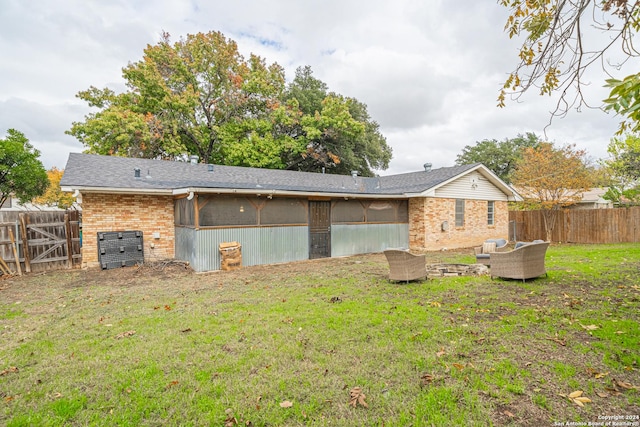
(459, 212)
(490, 212)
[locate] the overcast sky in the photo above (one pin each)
(429, 72)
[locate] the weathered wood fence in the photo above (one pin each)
(40, 241)
(579, 225)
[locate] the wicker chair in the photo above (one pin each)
(483, 253)
(525, 262)
(405, 266)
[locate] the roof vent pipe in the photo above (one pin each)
(136, 172)
(210, 167)
(354, 174)
(193, 159)
(427, 167)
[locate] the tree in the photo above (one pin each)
(54, 196)
(307, 90)
(200, 96)
(624, 168)
(181, 98)
(560, 41)
(21, 171)
(338, 132)
(624, 99)
(550, 178)
(499, 156)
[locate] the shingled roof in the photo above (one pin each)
(87, 172)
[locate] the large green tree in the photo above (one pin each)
(200, 96)
(340, 135)
(21, 171)
(181, 99)
(623, 166)
(561, 39)
(499, 156)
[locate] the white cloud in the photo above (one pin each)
(429, 72)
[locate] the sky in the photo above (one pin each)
(429, 72)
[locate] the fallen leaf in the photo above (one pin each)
(286, 404)
(614, 391)
(624, 385)
(575, 394)
(357, 397)
(458, 366)
(590, 327)
(508, 413)
(603, 395)
(230, 421)
(426, 379)
(171, 384)
(577, 402)
(435, 304)
(167, 307)
(583, 399)
(441, 352)
(558, 340)
(601, 374)
(9, 370)
(125, 334)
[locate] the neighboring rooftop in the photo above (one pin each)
(95, 172)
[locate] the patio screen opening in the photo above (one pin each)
(368, 211)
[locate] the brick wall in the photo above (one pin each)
(118, 212)
(426, 216)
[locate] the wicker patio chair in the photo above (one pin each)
(405, 266)
(525, 262)
(483, 253)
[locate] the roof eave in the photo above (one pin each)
(116, 190)
(276, 192)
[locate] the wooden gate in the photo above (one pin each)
(40, 241)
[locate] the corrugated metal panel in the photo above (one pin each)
(260, 245)
(367, 238)
(462, 188)
(185, 245)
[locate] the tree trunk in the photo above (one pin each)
(550, 216)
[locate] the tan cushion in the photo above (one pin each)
(488, 247)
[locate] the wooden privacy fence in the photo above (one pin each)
(579, 225)
(40, 241)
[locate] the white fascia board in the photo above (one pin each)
(271, 192)
(116, 190)
(428, 193)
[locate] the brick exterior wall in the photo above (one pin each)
(119, 212)
(426, 216)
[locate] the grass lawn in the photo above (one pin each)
(287, 345)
